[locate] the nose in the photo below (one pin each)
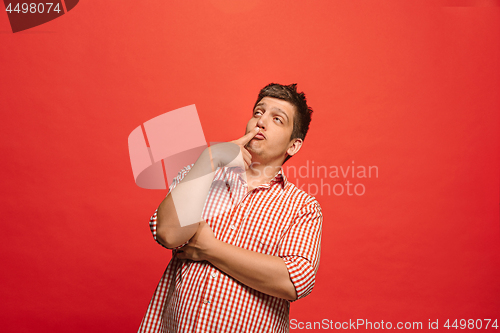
(262, 121)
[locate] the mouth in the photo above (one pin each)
(259, 136)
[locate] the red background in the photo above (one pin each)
(409, 86)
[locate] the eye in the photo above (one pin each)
(257, 113)
(278, 119)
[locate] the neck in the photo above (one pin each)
(261, 173)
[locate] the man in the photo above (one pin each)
(245, 241)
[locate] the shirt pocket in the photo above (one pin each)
(263, 244)
(262, 233)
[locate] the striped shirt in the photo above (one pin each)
(275, 218)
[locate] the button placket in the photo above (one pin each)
(243, 204)
(246, 204)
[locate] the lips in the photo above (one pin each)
(259, 136)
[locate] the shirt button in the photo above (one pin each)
(214, 274)
(206, 301)
(232, 227)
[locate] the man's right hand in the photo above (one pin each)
(234, 153)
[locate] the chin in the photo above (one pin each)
(254, 150)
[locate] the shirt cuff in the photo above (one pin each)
(302, 274)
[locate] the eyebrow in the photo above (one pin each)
(275, 109)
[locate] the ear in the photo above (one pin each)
(294, 147)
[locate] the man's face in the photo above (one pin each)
(275, 118)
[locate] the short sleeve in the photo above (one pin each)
(152, 220)
(300, 248)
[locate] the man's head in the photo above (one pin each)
(302, 116)
(290, 117)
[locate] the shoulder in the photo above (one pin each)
(304, 200)
(186, 168)
(184, 171)
(180, 176)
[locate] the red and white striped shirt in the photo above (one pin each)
(275, 218)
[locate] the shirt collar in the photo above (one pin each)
(279, 178)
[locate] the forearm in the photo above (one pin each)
(169, 232)
(265, 273)
(180, 212)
